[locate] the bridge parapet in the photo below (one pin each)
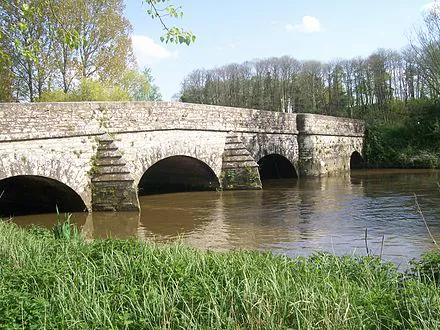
(312, 124)
(20, 121)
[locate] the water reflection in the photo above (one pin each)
(49, 220)
(291, 216)
(111, 224)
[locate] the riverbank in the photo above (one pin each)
(48, 282)
(389, 146)
(411, 140)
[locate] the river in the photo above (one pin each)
(290, 216)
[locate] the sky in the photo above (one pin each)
(242, 30)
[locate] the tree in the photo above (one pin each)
(132, 86)
(27, 45)
(157, 9)
(40, 51)
(139, 86)
(48, 44)
(172, 34)
(153, 94)
(87, 90)
(5, 81)
(104, 48)
(426, 49)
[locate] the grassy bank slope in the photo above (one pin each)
(69, 284)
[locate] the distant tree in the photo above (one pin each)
(140, 85)
(5, 81)
(87, 90)
(374, 88)
(153, 93)
(132, 86)
(426, 49)
(135, 84)
(312, 87)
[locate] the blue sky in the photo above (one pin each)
(236, 31)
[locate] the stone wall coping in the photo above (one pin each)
(314, 124)
(23, 121)
(46, 120)
(134, 105)
(319, 116)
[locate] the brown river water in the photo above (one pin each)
(289, 216)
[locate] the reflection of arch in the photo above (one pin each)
(178, 173)
(275, 166)
(356, 161)
(33, 194)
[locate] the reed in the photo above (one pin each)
(53, 283)
(64, 229)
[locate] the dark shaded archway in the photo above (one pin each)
(176, 174)
(275, 166)
(356, 161)
(31, 194)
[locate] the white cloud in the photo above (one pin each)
(308, 24)
(147, 51)
(433, 6)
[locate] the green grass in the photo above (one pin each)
(66, 283)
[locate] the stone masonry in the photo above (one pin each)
(239, 169)
(102, 149)
(112, 185)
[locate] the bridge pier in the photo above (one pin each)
(239, 169)
(113, 187)
(327, 143)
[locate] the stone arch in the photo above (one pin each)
(142, 150)
(356, 160)
(276, 166)
(178, 173)
(261, 145)
(33, 194)
(52, 166)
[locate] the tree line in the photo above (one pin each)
(69, 50)
(375, 87)
(341, 87)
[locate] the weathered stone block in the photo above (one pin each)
(113, 188)
(241, 178)
(239, 169)
(112, 196)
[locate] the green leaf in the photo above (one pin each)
(22, 26)
(25, 7)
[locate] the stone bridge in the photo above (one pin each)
(99, 155)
